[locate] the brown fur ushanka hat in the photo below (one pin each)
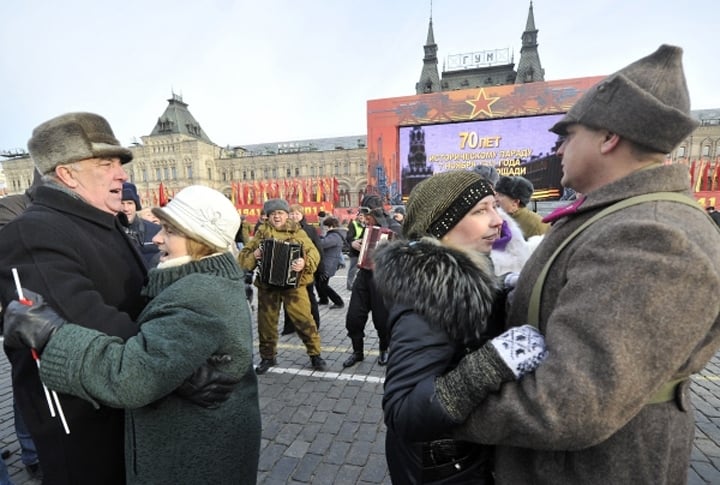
(73, 137)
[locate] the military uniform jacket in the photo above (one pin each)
(629, 305)
(291, 232)
(530, 222)
(80, 260)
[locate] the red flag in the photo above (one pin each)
(716, 177)
(698, 172)
(692, 173)
(705, 175)
(294, 191)
(162, 198)
(319, 196)
(241, 193)
(336, 190)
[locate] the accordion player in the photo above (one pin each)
(275, 266)
(372, 236)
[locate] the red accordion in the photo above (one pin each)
(372, 236)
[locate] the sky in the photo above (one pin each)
(256, 71)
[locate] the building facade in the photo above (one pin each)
(178, 152)
(494, 67)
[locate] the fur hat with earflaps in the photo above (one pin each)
(438, 203)
(73, 137)
(371, 201)
(272, 205)
(487, 171)
(646, 102)
(515, 187)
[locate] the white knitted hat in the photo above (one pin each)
(203, 214)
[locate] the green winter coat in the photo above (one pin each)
(629, 305)
(197, 310)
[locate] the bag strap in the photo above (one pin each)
(533, 317)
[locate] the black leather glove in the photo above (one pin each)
(207, 386)
(30, 325)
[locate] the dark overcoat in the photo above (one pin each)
(628, 306)
(440, 300)
(83, 264)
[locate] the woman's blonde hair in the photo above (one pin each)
(196, 249)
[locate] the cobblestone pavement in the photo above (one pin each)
(327, 427)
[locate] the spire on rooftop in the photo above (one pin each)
(177, 119)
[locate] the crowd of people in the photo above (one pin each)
(518, 348)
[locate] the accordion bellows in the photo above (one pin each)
(275, 265)
(372, 236)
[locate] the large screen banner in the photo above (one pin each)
(514, 146)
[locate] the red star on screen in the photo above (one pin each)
(481, 104)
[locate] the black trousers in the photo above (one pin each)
(325, 292)
(365, 300)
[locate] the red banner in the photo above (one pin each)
(252, 212)
(708, 198)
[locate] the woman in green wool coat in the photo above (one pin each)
(197, 319)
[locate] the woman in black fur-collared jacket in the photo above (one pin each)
(441, 290)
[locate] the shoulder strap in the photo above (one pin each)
(533, 317)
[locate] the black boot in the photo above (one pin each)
(383, 358)
(318, 363)
(354, 358)
(264, 365)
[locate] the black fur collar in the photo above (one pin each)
(449, 287)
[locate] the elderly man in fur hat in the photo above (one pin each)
(513, 196)
(610, 404)
(70, 247)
